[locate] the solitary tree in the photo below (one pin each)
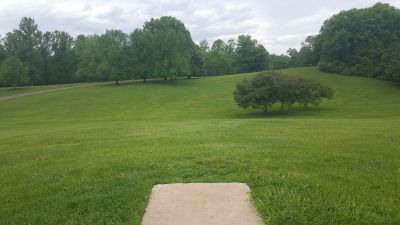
(258, 93)
(13, 72)
(269, 88)
(166, 47)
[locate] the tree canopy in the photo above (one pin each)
(170, 46)
(13, 72)
(363, 42)
(270, 87)
(162, 48)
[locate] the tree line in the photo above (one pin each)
(363, 42)
(162, 48)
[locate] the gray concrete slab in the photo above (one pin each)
(201, 204)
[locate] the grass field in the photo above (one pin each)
(9, 91)
(91, 155)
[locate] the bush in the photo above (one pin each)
(268, 88)
(13, 72)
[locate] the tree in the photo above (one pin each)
(169, 45)
(45, 51)
(3, 53)
(88, 54)
(13, 72)
(113, 54)
(361, 42)
(203, 45)
(142, 54)
(197, 64)
(306, 56)
(269, 88)
(219, 59)
(62, 64)
(261, 58)
(25, 43)
(277, 62)
(250, 55)
(260, 92)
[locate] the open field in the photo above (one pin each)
(91, 155)
(9, 91)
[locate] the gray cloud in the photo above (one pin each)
(276, 24)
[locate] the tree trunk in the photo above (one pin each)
(189, 77)
(144, 80)
(265, 109)
(116, 82)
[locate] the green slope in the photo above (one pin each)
(91, 155)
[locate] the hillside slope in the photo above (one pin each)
(91, 155)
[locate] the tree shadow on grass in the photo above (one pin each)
(396, 84)
(276, 113)
(11, 89)
(176, 82)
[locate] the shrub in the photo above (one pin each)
(13, 72)
(268, 88)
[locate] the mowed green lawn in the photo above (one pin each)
(9, 91)
(91, 155)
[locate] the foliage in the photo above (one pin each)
(306, 56)
(13, 72)
(268, 88)
(277, 62)
(162, 48)
(242, 55)
(220, 58)
(169, 47)
(250, 55)
(25, 43)
(362, 42)
(87, 51)
(197, 63)
(62, 60)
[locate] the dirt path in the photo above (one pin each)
(50, 90)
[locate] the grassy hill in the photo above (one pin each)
(91, 155)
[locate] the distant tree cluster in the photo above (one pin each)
(304, 57)
(162, 48)
(240, 56)
(364, 42)
(269, 88)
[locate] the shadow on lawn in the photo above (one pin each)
(396, 84)
(276, 113)
(176, 82)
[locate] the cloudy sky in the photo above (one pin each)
(276, 24)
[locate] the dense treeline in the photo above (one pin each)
(364, 42)
(240, 56)
(270, 87)
(162, 48)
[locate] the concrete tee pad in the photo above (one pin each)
(201, 204)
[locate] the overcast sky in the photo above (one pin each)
(278, 25)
